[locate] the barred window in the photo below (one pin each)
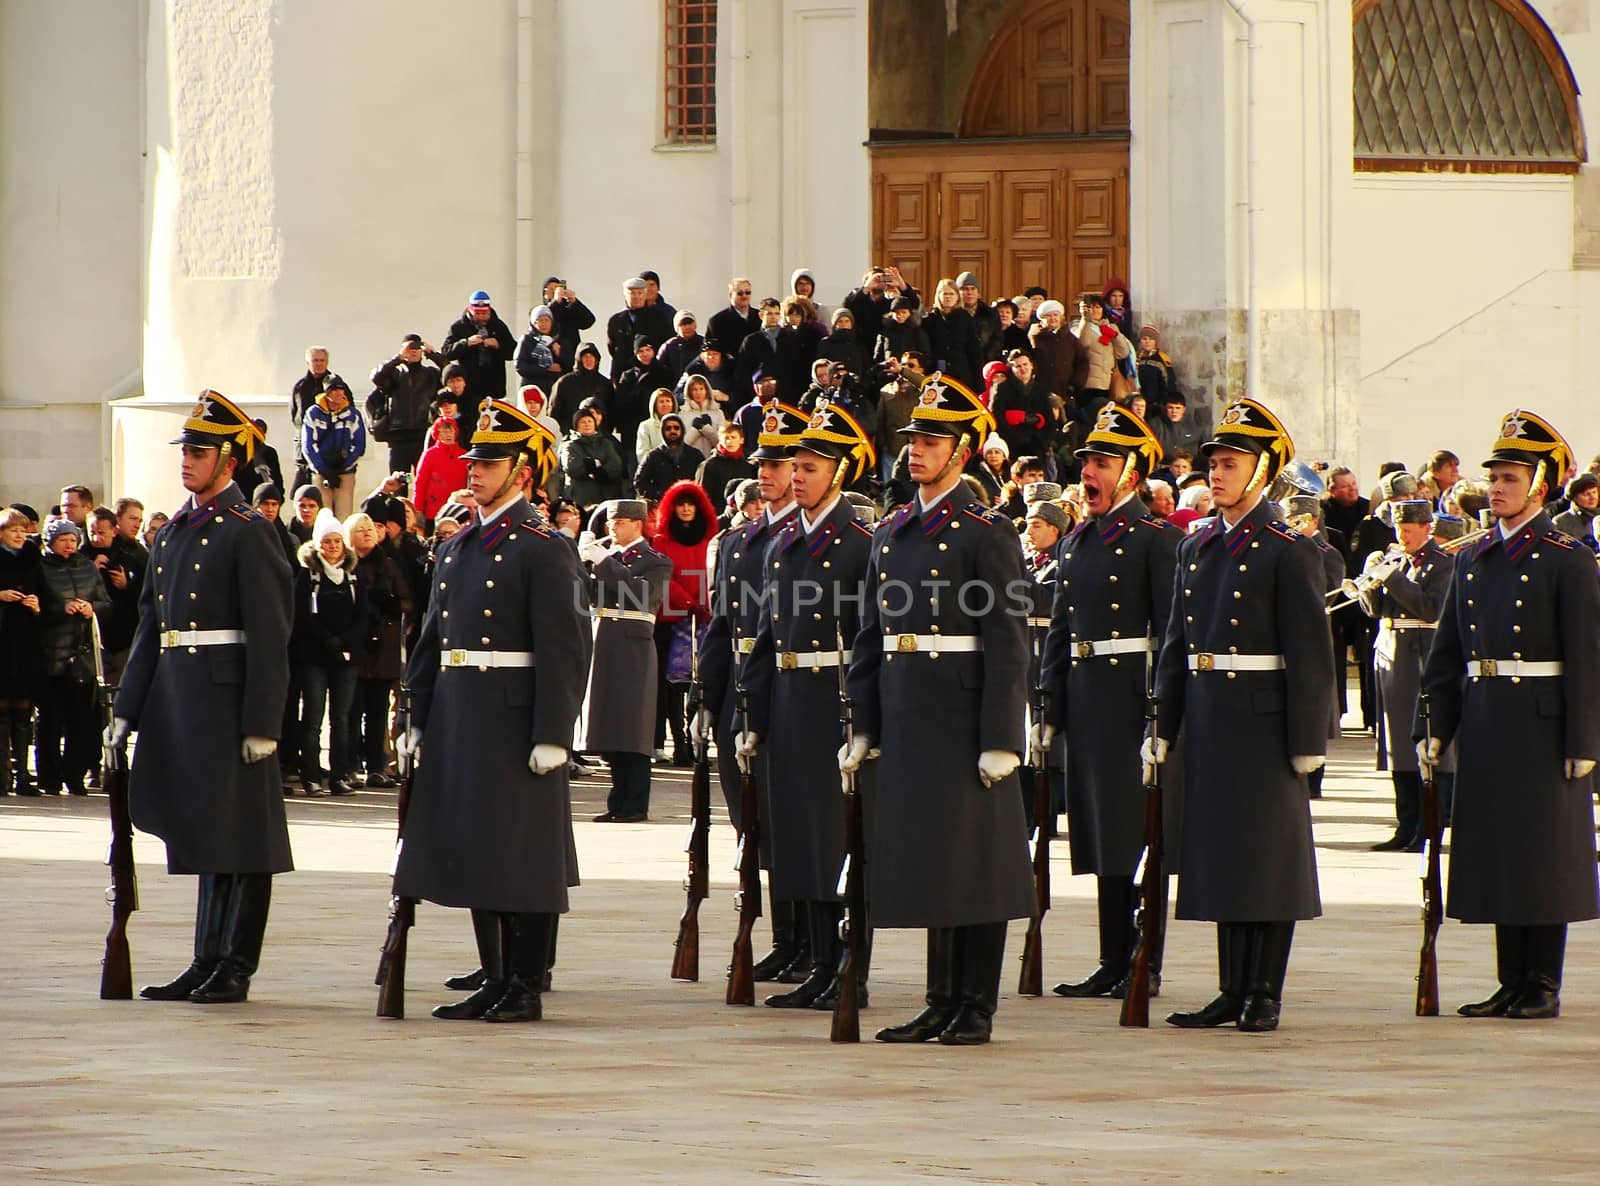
(691, 72)
(1462, 86)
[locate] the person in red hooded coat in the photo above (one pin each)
(685, 520)
(441, 472)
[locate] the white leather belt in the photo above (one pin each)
(1041, 623)
(200, 638)
(1407, 624)
(1206, 661)
(1112, 646)
(810, 660)
(485, 659)
(746, 645)
(627, 615)
(948, 644)
(1514, 668)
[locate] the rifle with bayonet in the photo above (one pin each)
(747, 898)
(391, 977)
(116, 969)
(1031, 982)
(1152, 918)
(697, 883)
(854, 928)
(1432, 889)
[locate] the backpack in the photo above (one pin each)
(378, 409)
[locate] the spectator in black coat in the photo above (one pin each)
(732, 325)
(264, 466)
(899, 334)
(842, 345)
(952, 340)
(571, 317)
(671, 461)
(121, 565)
(402, 392)
(684, 347)
(637, 319)
(482, 344)
(1013, 334)
(304, 393)
(21, 648)
(985, 321)
(769, 353)
(872, 302)
(330, 628)
(586, 381)
(1022, 408)
(716, 367)
(72, 594)
(630, 405)
(726, 465)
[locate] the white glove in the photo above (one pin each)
(1579, 767)
(408, 747)
(546, 758)
(851, 756)
(702, 726)
(746, 744)
(1307, 763)
(116, 733)
(1152, 753)
(996, 764)
(1041, 737)
(593, 553)
(255, 749)
(1428, 753)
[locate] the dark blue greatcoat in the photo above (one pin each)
(1522, 834)
(1416, 592)
(216, 567)
(484, 831)
(1246, 852)
(948, 851)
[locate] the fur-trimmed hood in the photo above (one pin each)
(309, 557)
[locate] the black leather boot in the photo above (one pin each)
(822, 928)
(983, 949)
(1540, 998)
(249, 900)
(1511, 965)
(5, 751)
(548, 979)
(941, 998)
(466, 982)
(1157, 949)
(1233, 949)
(829, 1000)
(1116, 898)
(486, 930)
(799, 967)
(527, 939)
(782, 954)
(491, 952)
(21, 740)
(210, 911)
(1267, 965)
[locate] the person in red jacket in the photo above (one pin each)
(682, 529)
(442, 470)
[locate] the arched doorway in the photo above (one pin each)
(1032, 187)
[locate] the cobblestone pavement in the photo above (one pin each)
(634, 1077)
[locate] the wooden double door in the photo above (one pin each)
(1017, 214)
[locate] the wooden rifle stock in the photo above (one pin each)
(1152, 914)
(697, 883)
(116, 967)
(854, 928)
(391, 976)
(747, 901)
(1432, 889)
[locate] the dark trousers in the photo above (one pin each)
(327, 690)
(369, 725)
(630, 784)
(405, 448)
(293, 730)
(1354, 631)
(66, 744)
(669, 697)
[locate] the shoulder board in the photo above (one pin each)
(1280, 528)
(1322, 544)
(986, 515)
(861, 527)
(1561, 540)
(536, 525)
(1152, 521)
(246, 512)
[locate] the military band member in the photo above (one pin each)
(1303, 513)
(205, 686)
(1405, 591)
(497, 680)
(1045, 525)
(1513, 678)
(1247, 610)
(736, 611)
(939, 678)
(816, 577)
(629, 584)
(1109, 616)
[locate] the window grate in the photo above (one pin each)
(691, 72)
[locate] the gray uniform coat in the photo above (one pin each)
(1116, 582)
(1246, 853)
(622, 685)
(948, 851)
(484, 831)
(216, 567)
(1416, 592)
(815, 584)
(1522, 835)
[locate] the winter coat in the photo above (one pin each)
(663, 466)
(627, 324)
(68, 638)
(702, 422)
(333, 442)
(569, 392)
(405, 390)
(953, 344)
(894, 339)
(570, 318)
(728, 328)
(648, 435)
(264, 467)
(722, 382)
(870, 311)
(388, 601)
(117, 626)
(986, 332)
(784, 358)
(440, 473)
(1102, 346)
(593, 466)
(1023, 412)
(21, 630)
(1056, 358)
(630, 406)
(689, 591)
(845, 347)
(483, 367)
(678, 352)
(534, 359)
(330, 621)
(718, 470)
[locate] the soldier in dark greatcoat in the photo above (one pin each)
(629, 584)
(815, 581)
(1513, 677)
(1109, 617)
(204, 687)
(1247, 610)
(497, 680)
(939, 678)
(1405, 590)
(736, 612)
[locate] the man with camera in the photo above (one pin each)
(397, 409)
